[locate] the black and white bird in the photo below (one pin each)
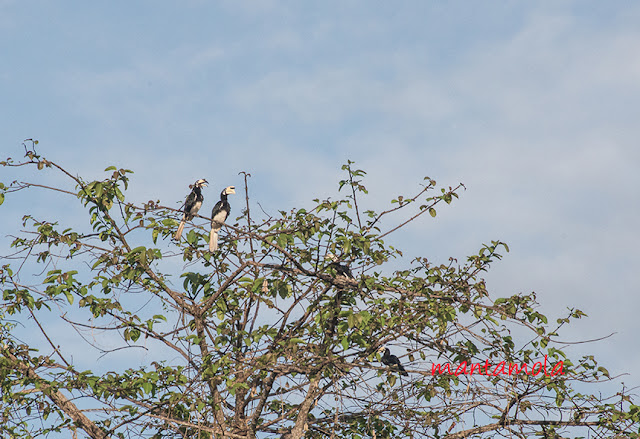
(341, 270)
(192, 205)
(219, 215)
(392, 361)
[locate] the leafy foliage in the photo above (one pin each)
(266, 338)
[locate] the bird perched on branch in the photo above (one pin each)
(192, 205)
(392, 361)
(219, 215)
(341, 270)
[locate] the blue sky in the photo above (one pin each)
(532, 105)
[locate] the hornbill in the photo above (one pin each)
(219, 214)
(392, 361)
(191, 205)
(341, 270)
(344, 272)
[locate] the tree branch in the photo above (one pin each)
(58, 398)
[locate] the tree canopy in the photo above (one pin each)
(281, 333)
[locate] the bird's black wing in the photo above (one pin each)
(401, 368)
(217, 209)
(190, 204)
(393, 362)
(342, 270)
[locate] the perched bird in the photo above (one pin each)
(191, 205)
(341, 270)
(392, 361)
(219, 214)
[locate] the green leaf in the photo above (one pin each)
(134, 334)
(604, 371)
(432, 212)
(119, 195)
(147, 387)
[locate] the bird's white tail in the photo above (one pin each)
(179, 231)
(213, 240)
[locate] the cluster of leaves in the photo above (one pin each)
(268, 337)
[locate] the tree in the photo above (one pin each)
(270, 336)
